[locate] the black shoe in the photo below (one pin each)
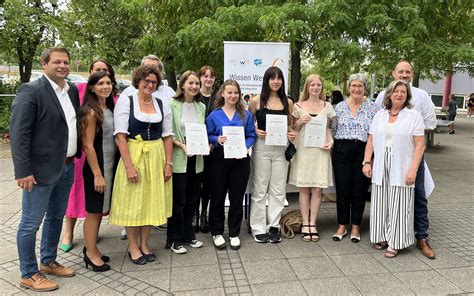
(149, 257)
(451, 132)
(204, 227)
(139, 261)
(196, 221)
(104, 258)
(95, 268)
(274, 235)
(261, 238)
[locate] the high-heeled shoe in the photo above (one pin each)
(95, 268)
(104, 258)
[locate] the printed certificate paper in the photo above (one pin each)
(197, 142)
(277, 129)
(234, 147)
(315, 132)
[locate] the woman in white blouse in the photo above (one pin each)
(396, 138)
(142, 191)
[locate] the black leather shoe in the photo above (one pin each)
(95, 268)
(139, 261)
(104, 258)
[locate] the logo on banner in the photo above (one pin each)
(258, 62)
(278, 63)
(241, 62)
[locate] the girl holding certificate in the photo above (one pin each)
(185, 108)
(232, 131)
(272, 111)
(311, 168)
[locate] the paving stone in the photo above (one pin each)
(205, 255)
(159, 278)
(231, 290)
(404, 262)
(427, 282)
(269, 271)
(296, 248)
(380, 284)
(314, 267)
(242, 282)
(444, 259)
(344, 247)
(358, 264)
(104, 291)
(244, 289)
(460, 276)
(277, 289)
(330, 286)
(184, 278)
(260, 252)
(205, 292)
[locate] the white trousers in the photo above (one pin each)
(392, 211)
(270, 170)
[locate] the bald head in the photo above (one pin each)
(403, 71)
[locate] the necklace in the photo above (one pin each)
(394, 115)
(145, 102)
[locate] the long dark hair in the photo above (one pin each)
(111, 74)
(240, 107)
(273, 72)
(91, 102)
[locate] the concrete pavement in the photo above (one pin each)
(292, 267)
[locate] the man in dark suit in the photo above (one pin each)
(44, 141)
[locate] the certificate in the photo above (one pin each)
(277, 129)
(197, 142)
(234, 146)
(315, 132)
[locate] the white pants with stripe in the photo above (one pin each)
(392, 211)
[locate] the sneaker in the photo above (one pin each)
(38, 283)
(234, 243)
(274, 235)
(195, 243)
(451, 132)
(261, 238)
(123, 234)
(219, 241)
(285, 203)
(178, 248)
(57, 269)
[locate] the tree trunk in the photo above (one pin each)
(170, 73)
(416, 78)
(295, 70)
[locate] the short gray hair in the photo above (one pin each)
(153, 58)
(359, 77)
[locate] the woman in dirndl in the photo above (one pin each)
(142, 194)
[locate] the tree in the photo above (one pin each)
(22, 27)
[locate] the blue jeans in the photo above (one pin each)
(421, 204)
(48, 200)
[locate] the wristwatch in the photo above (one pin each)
(366, 162)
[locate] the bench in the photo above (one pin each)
(429, 134)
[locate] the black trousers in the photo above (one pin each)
(227, 175)
(205, 194)
(185, 193)
(351, 184)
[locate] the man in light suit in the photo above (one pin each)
(44, 142)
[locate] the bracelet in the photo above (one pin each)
(169, 162)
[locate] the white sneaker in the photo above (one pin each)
(235, 243)
(285, 203)
(123, 234)
(178, 248)
(219, 241)
(195, 243)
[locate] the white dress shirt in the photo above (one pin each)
(408, 124)
(69, 113)
(122, 115)
(421, 102)
(163, 92)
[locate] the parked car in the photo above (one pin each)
(75, 78)
(35, 76)
(123, 84)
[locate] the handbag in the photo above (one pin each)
(290, 151)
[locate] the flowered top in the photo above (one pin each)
(347, 127)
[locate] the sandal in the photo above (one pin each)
(306, 236)
(391, 253)
(314, 235)
(380, 246)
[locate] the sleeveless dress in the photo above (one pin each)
(105, 149)
(311, 166)
(149, 201)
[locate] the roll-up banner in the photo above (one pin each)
(246, 62)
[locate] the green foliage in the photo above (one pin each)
(5, 104)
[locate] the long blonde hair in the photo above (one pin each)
(305, 95)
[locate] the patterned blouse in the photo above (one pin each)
(347, 127)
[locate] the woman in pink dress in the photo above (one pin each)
(76, 205)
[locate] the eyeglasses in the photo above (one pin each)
(152, 82)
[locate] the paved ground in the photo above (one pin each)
(292, 267)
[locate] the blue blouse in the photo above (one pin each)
(217, 119)
(345, 126)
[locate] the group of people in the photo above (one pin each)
(127, 157)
